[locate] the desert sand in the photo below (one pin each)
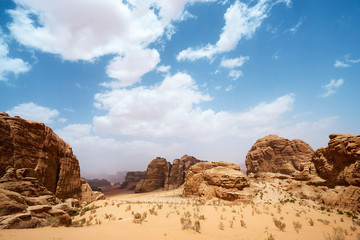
(167, 215)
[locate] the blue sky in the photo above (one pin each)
(125, 81)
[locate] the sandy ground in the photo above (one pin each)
(113, 218)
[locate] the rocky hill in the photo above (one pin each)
(132, 178)
(280, 155)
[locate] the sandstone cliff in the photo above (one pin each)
(279, 155)
(161, 174)
(28, 144)
(339, 162)
(132, 178)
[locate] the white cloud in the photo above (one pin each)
(10, 65)
(241, 21)
(164, 69)
(129, 69)
(294, 29)
(340, 64)
(172, 109)
(234, 62)
(32, 111)
(118, 155)
(331, 87)
(88, 29)
(229, 88)
(235, 74)
(62, 120)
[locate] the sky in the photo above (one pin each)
(126, 81)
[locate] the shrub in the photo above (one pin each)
(280, 225)
(297, 226)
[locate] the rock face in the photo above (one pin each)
(178, 171)
(339, 162)
(280, 155)
(156, 174)
(28, 144)
(161, 174)
(223, 180)
(26, 203)
(37, 171)
(96, 184)
(132, 178)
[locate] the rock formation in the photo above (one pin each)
(37, 171)
(279, 155)
(96, 184)
(223, 180)
(339, 162)
(132, 178)
(178, 171)
(28, 144)
(161, 174)
(156, 174)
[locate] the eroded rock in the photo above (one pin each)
(223, 180)
(279, 155)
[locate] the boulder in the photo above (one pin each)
(279, 155)
(339, 162)
(223, 180)
(87, 195)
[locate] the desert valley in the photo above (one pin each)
(289, 191)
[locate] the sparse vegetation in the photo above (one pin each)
(139, 218)
(280, 225)
(297, 226)
(338, 234)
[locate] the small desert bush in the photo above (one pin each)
(221, 226)
(311, 222)
(297, 226)
(338, 234)
(243, 224)
(79, 223)
(324, 221)
(280, 225)
(271, 237)
(139, 218)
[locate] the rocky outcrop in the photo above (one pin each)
(88, 195)
(132, 178)
(223, 180)
(96, 184)
(38, 171)
(32, 145)
(280, 155)
(161, 174)
(156, 174)
(26, 203)
(178, 171)
(339, 162)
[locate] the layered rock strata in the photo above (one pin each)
(223, 180)
(279, 155)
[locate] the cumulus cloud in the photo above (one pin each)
(347, 62)
(241, 21)
(331, 87)
(10, 65)
(88, 29)
(172, 109)
(164, 69)
(234, 62)
(32, 111)
(129, 69)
